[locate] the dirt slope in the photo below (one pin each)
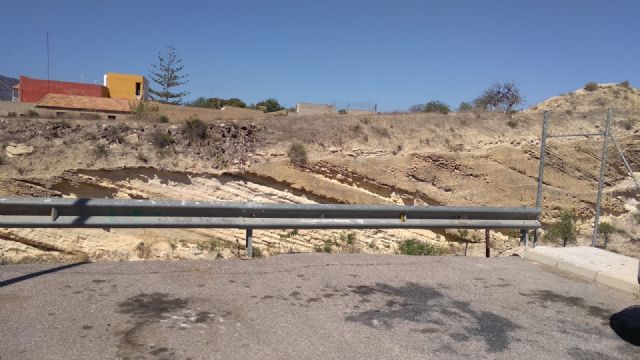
(415, 159)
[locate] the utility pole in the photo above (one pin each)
(603, 166)
(543, 149)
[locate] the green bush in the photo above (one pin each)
(415, 247)
(565, 230)
(591, 86)
(464, 107)
(194, 129)
(297, 154)
(163, 119)
(33, 114)
(436, 107)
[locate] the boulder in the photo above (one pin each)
(18, 150)
(132, 139)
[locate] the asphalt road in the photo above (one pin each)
(309, 306)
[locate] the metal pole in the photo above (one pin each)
(615, 143)
(543, 149)
(487, 243)
(603, 165)
(249, 242)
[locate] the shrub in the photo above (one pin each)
(161, 139)
(297, 154)
(33, 114)
(625, 84)
(512, 123)
(100, 150)
(591, 86)
(563, 231)
(144, 251)
(328, 247)
(194, 129)
(256, 252)
(163, 119)
(464, 107)
(628, 124)
(113, 133)
(12, 114)
(436, 107)
(415, 247)
(349, 238)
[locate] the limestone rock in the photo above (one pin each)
(18, 150)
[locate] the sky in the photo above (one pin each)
(391, 53)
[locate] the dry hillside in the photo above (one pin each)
(419, 159)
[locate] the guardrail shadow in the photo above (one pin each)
(21, 278)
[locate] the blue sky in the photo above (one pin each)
(393, 53)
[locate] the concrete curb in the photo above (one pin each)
(584, 272)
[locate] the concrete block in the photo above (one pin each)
(627, 285)
(579, 271)
(532, 255)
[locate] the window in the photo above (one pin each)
(138, 86)
(111, 117)
(60, 114)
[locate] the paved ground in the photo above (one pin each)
(602, 266)
(310, 306)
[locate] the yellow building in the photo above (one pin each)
(126, 86)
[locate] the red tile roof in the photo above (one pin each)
(89, 103)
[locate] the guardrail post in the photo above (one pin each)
(487, 243)
(249, 242)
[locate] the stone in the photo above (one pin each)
(18, 150)
(132, 139)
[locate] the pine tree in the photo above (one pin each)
(168, 75)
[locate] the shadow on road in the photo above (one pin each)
(626, 324)
(18, 279)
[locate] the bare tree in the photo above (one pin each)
(500, 96)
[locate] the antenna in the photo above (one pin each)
(48, 67)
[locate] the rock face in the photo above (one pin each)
(18, 150)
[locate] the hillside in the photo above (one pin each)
(415, 159)
(6, 85)
(622, 98)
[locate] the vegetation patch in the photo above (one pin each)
(419, 248)
(298, 154)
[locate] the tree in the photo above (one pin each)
(235, 102)
(270, 105)
(417, 108)
(605, 228)
(217, 103)
(435, 106)
(168, 75)
(500, 96)
(564, 230)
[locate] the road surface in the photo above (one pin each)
(310, 306)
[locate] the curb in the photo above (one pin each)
(584, 273)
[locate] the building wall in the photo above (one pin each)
(33, 90)
(123, 86)
(304, 109)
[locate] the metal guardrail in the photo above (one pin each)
(116, 213)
